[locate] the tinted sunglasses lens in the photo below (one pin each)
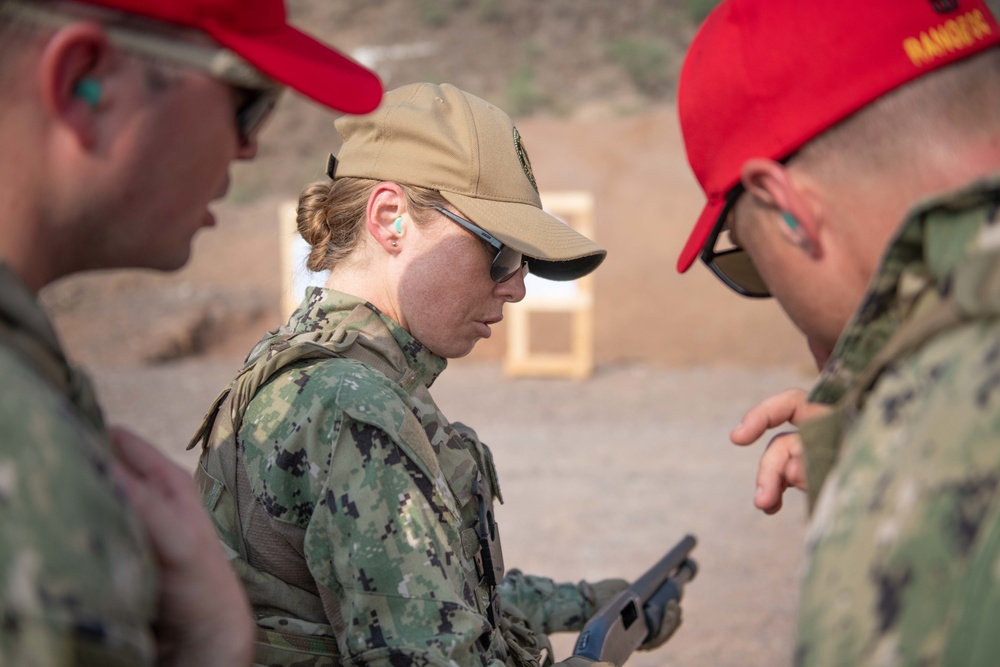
(254, 109)
(736, 270)
(507, 262)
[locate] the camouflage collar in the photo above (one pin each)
(327, 309)
(19, 308)
(934, 238)
(28, 331)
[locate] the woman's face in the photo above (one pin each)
(447, 299)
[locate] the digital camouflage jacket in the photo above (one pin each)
(903, 547)
(358, 517)
(78, 584)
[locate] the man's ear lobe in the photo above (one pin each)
(72, 78)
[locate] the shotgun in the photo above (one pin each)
(634, 615)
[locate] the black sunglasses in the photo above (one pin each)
(507, 261)
(733, 266)
(253, 108)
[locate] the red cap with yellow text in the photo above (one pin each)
(764, 77)
(258, 31)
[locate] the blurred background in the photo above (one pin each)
(600, 476)
(591, 85)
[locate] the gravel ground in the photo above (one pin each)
(600, 478)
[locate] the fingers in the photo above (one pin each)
(780, 467)
(204, 616)
(162, 494)
(669, 623)
(144, 461)
(788, 406)
(580, 661)
(770, 476)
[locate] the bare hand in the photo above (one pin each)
(204, 616)
(781, 465)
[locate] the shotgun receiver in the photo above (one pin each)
(634, 615)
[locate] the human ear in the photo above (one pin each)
(73, 79)
(771, 185)
(386, 205)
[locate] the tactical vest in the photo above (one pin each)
(274, 550)
(974, 294)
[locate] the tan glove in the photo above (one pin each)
(601, 592)
(580, 661)
(668, 626)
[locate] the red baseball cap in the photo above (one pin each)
(764, 77)
(257, 30)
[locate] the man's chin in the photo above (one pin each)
(821, 353)
(454, 351)
(167, 262)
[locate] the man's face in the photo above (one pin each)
(805, 281)
(175, 157)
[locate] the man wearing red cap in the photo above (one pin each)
(850, 153)
(118, 121)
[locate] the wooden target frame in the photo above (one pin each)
(575, 208)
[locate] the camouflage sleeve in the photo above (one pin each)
(77, 584)
(551, 607)
(383, 544)
(904, 542)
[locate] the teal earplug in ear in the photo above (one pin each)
(88, 90)
(399, 225)
(790, 220)
(802, 239)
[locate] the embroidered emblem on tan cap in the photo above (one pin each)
(522, 155)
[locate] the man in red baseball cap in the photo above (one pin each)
(119, 120)
(850, 154)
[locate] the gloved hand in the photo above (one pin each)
(580, 661)
(601, 592)
(668, 625)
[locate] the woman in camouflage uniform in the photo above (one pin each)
(358, 517)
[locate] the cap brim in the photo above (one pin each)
(300, 62)
(696, 241)
(555, 250)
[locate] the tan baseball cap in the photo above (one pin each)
(444, 139)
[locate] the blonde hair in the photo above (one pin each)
(331, 216)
